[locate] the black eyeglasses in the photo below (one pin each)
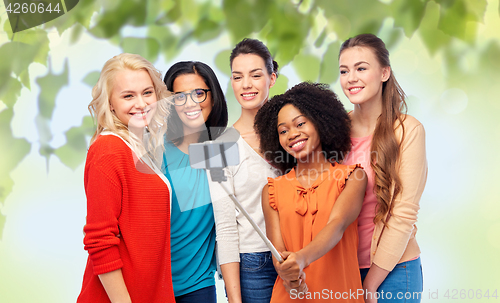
(198, 95)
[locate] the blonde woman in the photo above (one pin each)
(127, 234)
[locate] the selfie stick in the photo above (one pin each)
(273, 249)
(217, 175)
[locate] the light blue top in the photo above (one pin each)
(192, 224)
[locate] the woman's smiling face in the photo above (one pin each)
(133, 98)
(193, 115)
(361, 75)
(297, 134)
(251, 81)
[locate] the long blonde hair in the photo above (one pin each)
(385, 148)
(106, 119)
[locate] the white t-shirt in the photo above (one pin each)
(234, 232)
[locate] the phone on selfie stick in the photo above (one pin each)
(214, 156)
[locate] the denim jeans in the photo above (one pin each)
(205, 295)
(404, 284)
(257, 277)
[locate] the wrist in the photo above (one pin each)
(375, 277)
(370, 288)
(302, 259)
(233, 295)
(234, 300)
(370, 285)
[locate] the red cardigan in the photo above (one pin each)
(128, 225)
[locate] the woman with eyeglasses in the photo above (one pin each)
(199, 113)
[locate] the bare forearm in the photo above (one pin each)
(344, 212)
(294, 263)
(324, 241)
(115, 286)
(375, 277)
(231, 275)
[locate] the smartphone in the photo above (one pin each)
(213, 154)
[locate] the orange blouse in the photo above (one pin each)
(303, 212)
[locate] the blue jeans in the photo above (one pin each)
(404, 284)
(205, 295)
(257, 277)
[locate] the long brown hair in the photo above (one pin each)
(385, 148)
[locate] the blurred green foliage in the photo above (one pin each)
(306, 34)
(50, 85)
(13, 151)
(72, 153)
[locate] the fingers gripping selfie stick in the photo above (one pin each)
(214, 159)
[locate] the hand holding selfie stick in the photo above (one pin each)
(214, 151)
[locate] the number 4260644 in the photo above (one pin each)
(32, 8)
(455, 294)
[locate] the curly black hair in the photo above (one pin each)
(322, 107)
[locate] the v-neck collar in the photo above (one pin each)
(247, 146)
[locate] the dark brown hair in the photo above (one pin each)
(256, 47)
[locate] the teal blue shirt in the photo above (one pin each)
(192, 224)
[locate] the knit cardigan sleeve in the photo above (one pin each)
(413, 174)
(104, 196)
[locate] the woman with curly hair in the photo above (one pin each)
(244, 258)
(391, 147)
(311, 211)
(127, 234)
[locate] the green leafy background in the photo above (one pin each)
(445, 54)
